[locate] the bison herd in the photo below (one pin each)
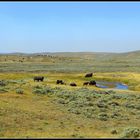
(92, 82)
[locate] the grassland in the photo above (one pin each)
(31, 109)
(71, 62)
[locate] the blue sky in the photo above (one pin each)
(69, 26)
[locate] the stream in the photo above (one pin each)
(115, 85)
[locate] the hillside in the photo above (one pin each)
(71, 62)
(90, 55)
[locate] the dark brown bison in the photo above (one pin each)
(38, 78)
(73, 84)
(92, 82)
(60, 82)
(85, 83)
(89, 75)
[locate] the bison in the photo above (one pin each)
(89, 75)
(60, 82)
(92, 82)
(73, 84)
(85, 83)
(38, 78)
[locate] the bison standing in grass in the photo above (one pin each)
(92, 82)
(73, 84)
(60, 82)
(89, 75)
(85, 83)
(38, 78)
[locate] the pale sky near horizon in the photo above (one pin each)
(31, 27)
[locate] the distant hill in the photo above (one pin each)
(128, 56)
(102, 55)
(71, 61)
(74, 54)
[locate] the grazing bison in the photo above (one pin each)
(92, 83)
(89, 75)
(73, 84)
(85, 83)
(60, 82)
(38, 78)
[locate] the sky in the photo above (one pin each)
(31, 27)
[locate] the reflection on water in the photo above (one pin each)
(116, 85)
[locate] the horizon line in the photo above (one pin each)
(66, 52)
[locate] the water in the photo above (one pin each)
(121, 86)
(115, 85)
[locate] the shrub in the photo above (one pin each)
(37, 87)
(48, 89)
(62, 101)
(101, 104)
(42, 90)
(131, 132)
(130, 105)
(103, 116)
(102, 92)
(137, 107)
(89, 115)
(88, 98)
(111, 92)
(115, 115)
(3, 90)
(2, 83)
(89, 103)
(113, 103)
(103, 110)
(39, 91)
(71, 98)
(116, 97)
(75, 111)
(19, 91)
(79, 104)
(114, 131)
(89, 109)
(56, 89)
(138, 97)
(14, 81)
